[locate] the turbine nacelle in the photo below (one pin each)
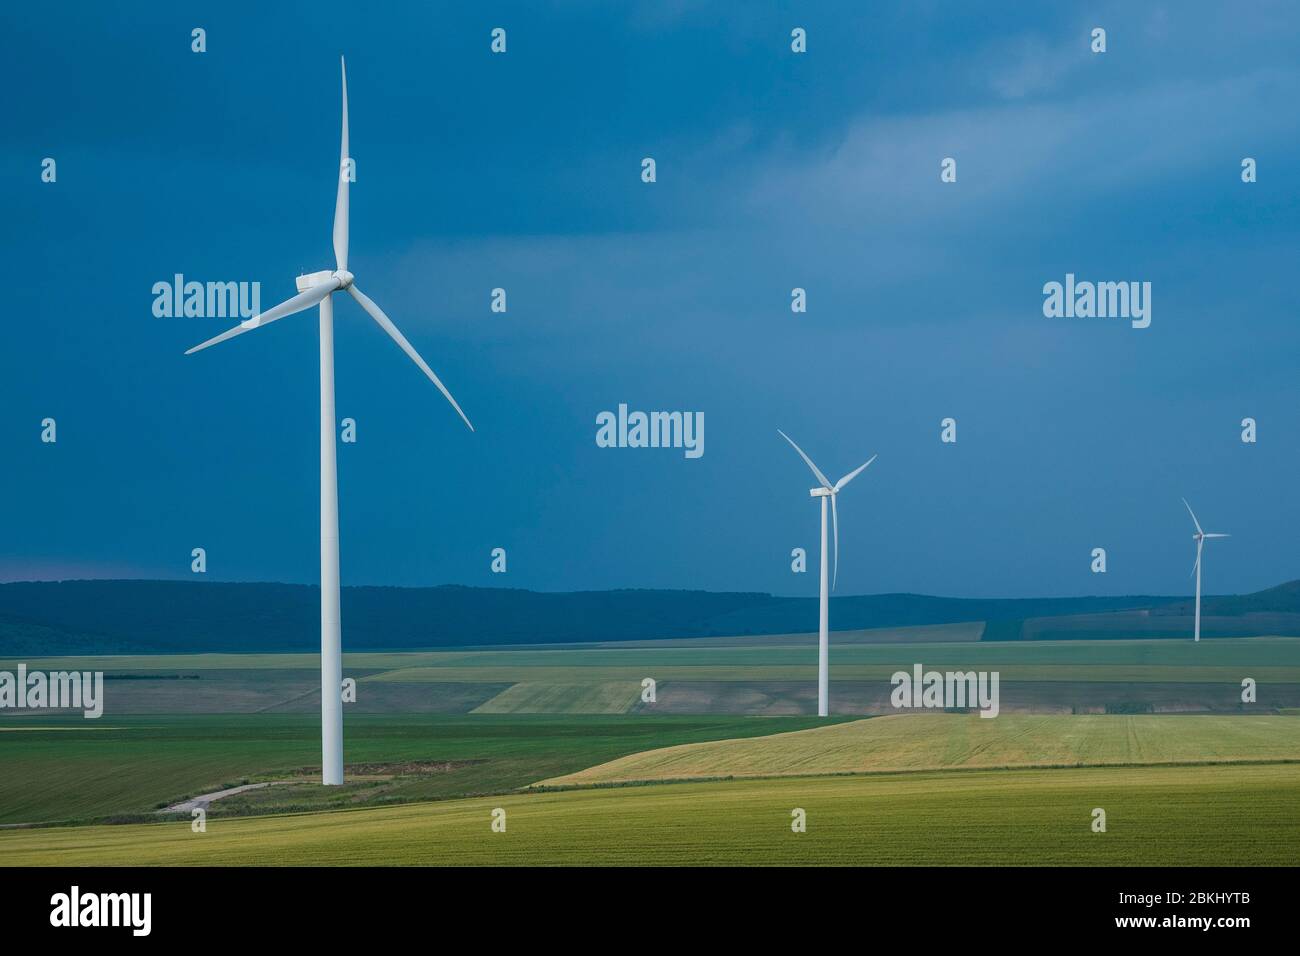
(312, 279)
(820, 492)
(1200, 534)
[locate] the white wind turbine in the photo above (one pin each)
(315, 289)
(825, 491)
(1199, 538)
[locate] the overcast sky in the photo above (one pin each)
(775, 170)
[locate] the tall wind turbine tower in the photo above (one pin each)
(318, 288)
(825, 491)
(1200, 538)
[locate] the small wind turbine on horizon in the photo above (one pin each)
(1200, 538)
(318, 289)
(825, 491)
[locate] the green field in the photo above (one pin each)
(540, 697)
(769, 676)
(436, 739)
(1155, 816)
(59, 769)
(949, 741)
(788, 651)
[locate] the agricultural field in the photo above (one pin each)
(1155, 816)
(437, 739)
(62, 769)
(912, 742)
(542, 697)
(770, 676)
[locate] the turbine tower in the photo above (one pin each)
(1199, 538)
(318, 289)
(826, 491)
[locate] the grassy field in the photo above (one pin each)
(1155, 816)
(57, 769)
(768, 676)
(432, 731)
(943, 741)
(533, 697)
(779, 651)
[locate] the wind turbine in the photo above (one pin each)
(824, 492)
(317, 289)
(1199, 538)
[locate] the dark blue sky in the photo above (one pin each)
(775, 171)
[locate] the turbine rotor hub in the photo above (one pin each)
(345, 278)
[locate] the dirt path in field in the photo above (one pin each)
(185, 806)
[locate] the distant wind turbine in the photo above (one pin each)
(1199, 538)
(825, 491)
(313, 289)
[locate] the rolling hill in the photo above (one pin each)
(1159, 816)
(914, 742)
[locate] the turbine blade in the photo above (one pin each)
(1197, 563)
(853, 474)
(835, 525)
(808, 461)
(300, 302)
(1193, 514)
(341, 201)
(386, 324)
(1217, 536)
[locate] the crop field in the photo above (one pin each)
(1155, 816)
(739, 676)
(850, 648)
(540, 697)
(438, 738)
(946, 741)
(74, 769)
